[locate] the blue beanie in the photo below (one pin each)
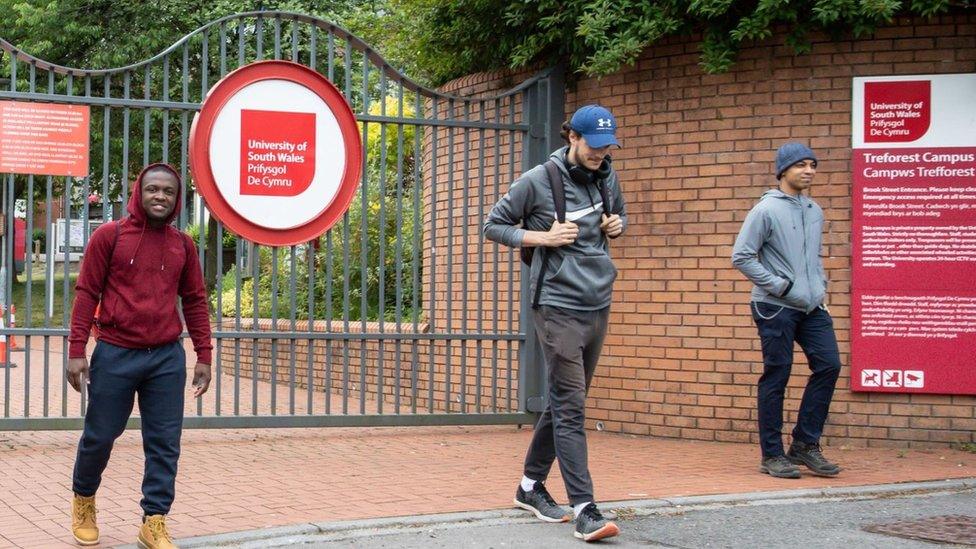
(791, 153)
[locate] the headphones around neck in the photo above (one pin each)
(584, 176)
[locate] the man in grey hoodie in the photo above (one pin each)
(778, 249)
(573, 303)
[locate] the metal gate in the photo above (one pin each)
(402, 314)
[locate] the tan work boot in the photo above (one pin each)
(83, 525)
(153, 534)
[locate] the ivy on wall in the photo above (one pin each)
(450, 38)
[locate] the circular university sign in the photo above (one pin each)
(276, 153)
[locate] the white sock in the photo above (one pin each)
(527, 483)
(578, 508)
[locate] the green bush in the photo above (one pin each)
(229, 239)
(339, 292)
(332, 282)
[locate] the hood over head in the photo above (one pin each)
(137, 214)
(134, 206)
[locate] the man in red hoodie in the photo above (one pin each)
(137, 268)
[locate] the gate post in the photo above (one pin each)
(543, 105)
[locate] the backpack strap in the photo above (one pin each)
(186, 247)
(111, 254)
(108, 268)
(604, 196)
(558, 189)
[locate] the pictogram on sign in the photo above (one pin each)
(914, 379)
(871, 378)
(891, 378)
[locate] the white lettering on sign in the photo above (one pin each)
(277, 154)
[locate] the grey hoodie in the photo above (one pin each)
(779, 244)
(579, 275)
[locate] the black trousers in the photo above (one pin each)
(158, 376)
(571, 343)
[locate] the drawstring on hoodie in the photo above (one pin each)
(138, 213)
(138, 244)
(162, 254)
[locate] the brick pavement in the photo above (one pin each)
(232, 480)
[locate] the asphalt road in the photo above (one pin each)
(807, 521)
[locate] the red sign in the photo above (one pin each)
(913, 306)
(915, 212)
(276, 153)
(43, 138)
(896, 111)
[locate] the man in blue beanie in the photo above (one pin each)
(778, 249)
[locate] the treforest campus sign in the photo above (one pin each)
(913, 302)
(276, 153)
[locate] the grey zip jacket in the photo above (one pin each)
(778, 249)
(579, 275)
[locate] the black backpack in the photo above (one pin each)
(559, 201)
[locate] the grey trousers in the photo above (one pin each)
(571, 342)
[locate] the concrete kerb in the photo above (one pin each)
(332, 531)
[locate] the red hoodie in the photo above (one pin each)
(150, 267)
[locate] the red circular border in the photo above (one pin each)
(202, 128)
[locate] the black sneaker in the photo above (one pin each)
(591, 526)
(779, 467)
(810, 455)
(541, 503)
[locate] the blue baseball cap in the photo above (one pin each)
(596, 125)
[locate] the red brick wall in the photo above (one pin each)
(682, 357)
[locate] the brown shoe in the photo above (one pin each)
(153, 534)
(83, 525)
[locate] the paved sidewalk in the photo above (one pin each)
(234, 480)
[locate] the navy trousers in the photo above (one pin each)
(778, 328)
(117, 375)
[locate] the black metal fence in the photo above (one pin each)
(400, 315)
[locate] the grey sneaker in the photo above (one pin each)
(779, 467)
(811, 456)
(541, 503)
(591, 526)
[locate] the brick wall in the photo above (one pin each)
(682, 356)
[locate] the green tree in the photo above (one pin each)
(444, 39)
(102, 34)
(105, 34)
(382, 235)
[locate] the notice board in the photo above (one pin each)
(913, 272)
(43, 138)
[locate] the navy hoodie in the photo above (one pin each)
(138, 279)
